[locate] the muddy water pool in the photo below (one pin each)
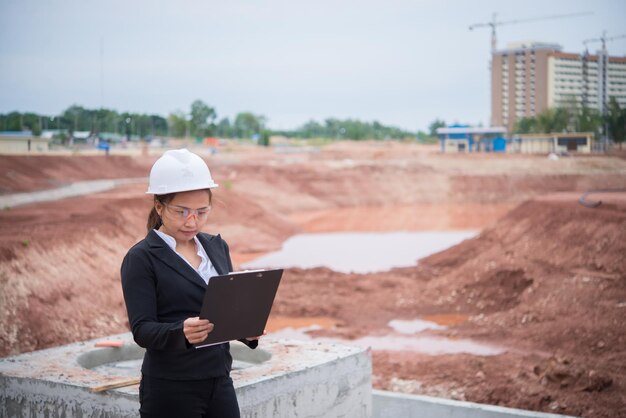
(358, 252)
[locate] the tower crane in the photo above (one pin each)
(602, 70)
(602, 83)
(494, 22)
(603, 39)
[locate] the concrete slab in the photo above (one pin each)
(392, 404)
(284, 378)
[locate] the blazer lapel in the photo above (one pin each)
(165, 254)
(215, 250)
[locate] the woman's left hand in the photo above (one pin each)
(196, 330)
(256, 338)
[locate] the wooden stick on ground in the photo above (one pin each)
(115, 385)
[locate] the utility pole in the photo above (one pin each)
(101, 72)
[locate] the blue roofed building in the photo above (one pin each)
(464, 138)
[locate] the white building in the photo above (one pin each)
(529, 77)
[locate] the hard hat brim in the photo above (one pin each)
(182, 189)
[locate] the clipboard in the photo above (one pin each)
(238, 304)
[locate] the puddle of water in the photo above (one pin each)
(414, 326)
(428, 345)
(358, 252)
(415, 343)
(298, 328)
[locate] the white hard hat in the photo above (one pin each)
(179, 171)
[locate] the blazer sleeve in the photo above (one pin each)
(251, 344)
(139, 290)
(227, 251)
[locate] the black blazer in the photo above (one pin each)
(161, 290)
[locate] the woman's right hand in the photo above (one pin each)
(196, 330)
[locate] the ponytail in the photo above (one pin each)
(154, 219)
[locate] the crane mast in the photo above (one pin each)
(603, 62)
(603, 68)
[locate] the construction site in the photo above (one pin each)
(526, 312)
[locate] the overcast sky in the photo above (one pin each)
(400, 62)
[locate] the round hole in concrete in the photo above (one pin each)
(129, 356)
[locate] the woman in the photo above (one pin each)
(164, 278)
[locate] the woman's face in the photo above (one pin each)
(185, 215)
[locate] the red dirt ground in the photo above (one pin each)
(26, 173)
(546, 278)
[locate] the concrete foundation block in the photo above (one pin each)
(393, 404)
(280, 379)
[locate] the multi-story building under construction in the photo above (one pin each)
(529, 77)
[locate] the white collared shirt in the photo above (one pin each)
(205, 269)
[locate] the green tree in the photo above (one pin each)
(32, 122)
(312, 129)
(437, 123)
(77, 117)
(525, 125)
(589, 120)
(13, 122)
(159, 125)
(224, 129)
(106, 120)
(265, 138)
(334, 128)
(616, 121)
(347, 129)
(553, 120)
(177, 123)
(202, 119)
(561, 119)
(423, 136)
(247, 124)
(127, 125)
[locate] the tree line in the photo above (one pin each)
(201, 121)
(346, 129)
(77, 118)
(574, 118)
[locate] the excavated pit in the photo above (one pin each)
(544, 278)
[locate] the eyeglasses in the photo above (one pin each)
(184, 213)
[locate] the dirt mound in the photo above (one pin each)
(515, 188)
(548, 282)
(498, 291)
(47, 295)
(39, 172)
(549, 278)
